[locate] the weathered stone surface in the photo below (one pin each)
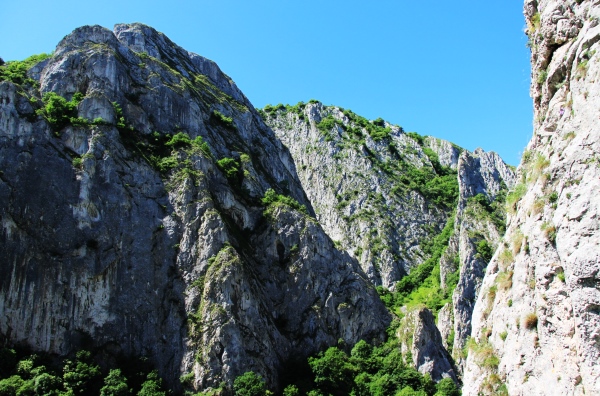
(421, 340)
(101, 249)
(543, 325)
(475, 224)
(337, 174)
(366, 210)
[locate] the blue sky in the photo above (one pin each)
(456, 70)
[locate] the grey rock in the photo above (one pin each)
(543, 326)
(180, 266)
(364, 209)
(421, 341)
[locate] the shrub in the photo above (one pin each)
(530, 321)
(504, 280)
(447, 387)
(58, 111)
(515, 196)
(230, 167)
(179, 140)
(250, 384)
(291, 390)
(152, 386)
(77, 162)
(115, 384)
(16, 71)
(272, 198)
(223, 119)
(484, 250)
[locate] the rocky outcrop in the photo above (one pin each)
(135, 225)
(483, 180)
(536, 322)
(357, 175)
(341, 162)
(422, 344)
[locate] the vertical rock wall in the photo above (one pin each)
(536, 325)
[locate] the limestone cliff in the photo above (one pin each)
(132, 174)
(363, 179)
(354, 172)
(483, 180)
(536, 324)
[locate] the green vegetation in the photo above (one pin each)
(484, 250)
(366, 371)
(16, 71)
(480, 207)
(59, 112)
(271, 199)
(44, 375)
(515, 196)
(225, 121)
(422, 286)
(250, 384)
(230, 167)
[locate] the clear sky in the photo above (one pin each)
(458, 70)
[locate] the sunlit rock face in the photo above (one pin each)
(116, 237)
(537, 319)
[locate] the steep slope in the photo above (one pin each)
(133, 218)
(536, 325)
(377, 191)
(385, 196)
(483, 180)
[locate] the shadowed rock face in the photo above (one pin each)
(178, 262)
(538, 312)
(421, 338)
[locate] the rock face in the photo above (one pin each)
(344, 168)
(483, 179)
(117, 235)
(356, 175)
(421, 341)
(536, 324)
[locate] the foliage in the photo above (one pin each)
(250, 384)
(333, 371)
(515, 196)
(416, 137)
(115, 384)
(43, 375)
(58, 111)
(484, 250)
(366, 371)
(230, 167)
(16, 71)
(447, 387)
(422, 285)
(81, 375)
(152, 386)
(222, 119)
(272, 198)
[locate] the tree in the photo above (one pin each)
(447, 387)
(47, 384)
(333, 371)
(115, 384)
(152, 386)
(81, 376)
(250, 384)
(291, 390)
